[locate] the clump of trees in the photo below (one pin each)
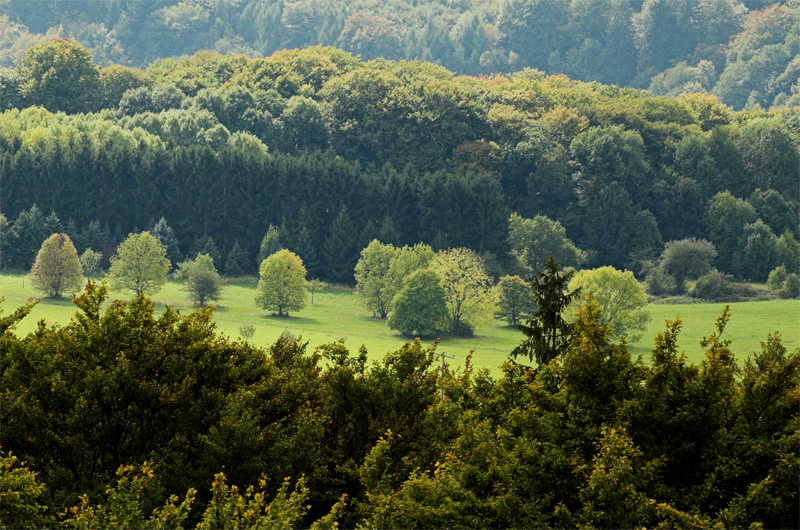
(513, 168)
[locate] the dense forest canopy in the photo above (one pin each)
(743, 51)
(333, 152)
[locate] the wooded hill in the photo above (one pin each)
(746, 52)
(335, 152)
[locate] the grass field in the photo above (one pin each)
(334, 315)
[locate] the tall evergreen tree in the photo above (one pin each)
(31, 232)
(301, 244)
(341, 249)
(164, 233)
(270, 244)
(548, 333)
(238, 263)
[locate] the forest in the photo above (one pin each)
(745, 52)
(333, 152)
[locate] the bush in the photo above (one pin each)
(716, 286)
(791, 286)
(657, 281)
(776, 278)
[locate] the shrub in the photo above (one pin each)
(715, 286)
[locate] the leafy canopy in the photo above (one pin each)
(620, 297)
(140, 265)
(282, 286)
(202, 279)
(57, 267)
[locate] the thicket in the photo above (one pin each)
(141, 412)
(331, 153)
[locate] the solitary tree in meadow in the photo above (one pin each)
(282, 286)
(140, 265)
(57, 267)
(202, 279)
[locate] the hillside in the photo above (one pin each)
(743, 51)
(334, 152)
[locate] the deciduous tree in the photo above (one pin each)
(419, 308)
(57, 267)
(619, 296)
(282, 286)
(514, 299)
(140, 264)
(202, 279)
(533, 240)
(467, 287)
(688, 259)
(372, 277)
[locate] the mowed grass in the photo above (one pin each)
(334, 316)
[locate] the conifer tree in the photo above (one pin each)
(270, 244)
(341, 249)
(164, 233)
(548, 333)
(237, 264)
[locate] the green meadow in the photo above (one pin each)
(334, 316)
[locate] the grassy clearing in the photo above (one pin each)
(335, 316)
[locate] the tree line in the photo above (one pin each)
(126, 418)
(334, 152)
(744, 52)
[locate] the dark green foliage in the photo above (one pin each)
(31, 231)
(791, 285)
(340, 252)
(716, 286)
(410, 150)
(164, 233)
(594, 439)
(760, 253)
(270, 244)
(687, 259)
(725, 218)
(203, 245)
(548, 333)
(238, 263)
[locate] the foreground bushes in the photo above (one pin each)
(123, 413)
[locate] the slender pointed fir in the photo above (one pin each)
(548, 333)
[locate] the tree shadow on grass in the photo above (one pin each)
(64, 301)
(289, 319)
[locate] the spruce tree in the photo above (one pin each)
(341, 249)
(237, 264)
(548, 333)
(270, 244)
(31, 232)
(164, 233)
(302, 245)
